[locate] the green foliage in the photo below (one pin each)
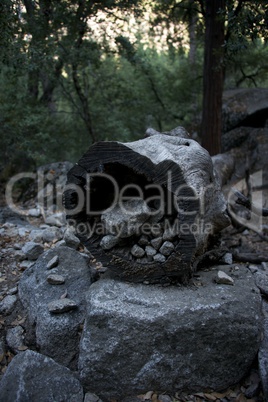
(250, 68)
(61, 87)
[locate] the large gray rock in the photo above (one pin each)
(139, 337)
(263, 352)
(33, 377)
(57, 335)
(241, 106)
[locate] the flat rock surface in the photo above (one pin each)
(57, 335)
(139, 337)
(263, 356)
(36, 378)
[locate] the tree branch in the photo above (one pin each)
(241, 199)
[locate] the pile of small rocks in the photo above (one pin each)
(139, 231)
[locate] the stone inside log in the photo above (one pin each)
(146, 209)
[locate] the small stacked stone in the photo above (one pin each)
(121, 227)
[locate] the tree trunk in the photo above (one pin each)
(85, 112)
(146, 209)
(213, 78)
(192, 36)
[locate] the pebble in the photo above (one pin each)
(48, 235)
(61, 243)
(223, 279)
(53, 262)
(227, 258)
(8, 225)
(55, 279)
(156, 243)
(71, 240)
(34, 212)
(17, 246)
(8, 304)
(143, 241)
(167, 248)
(19, 255)
(137, 251)
(13, 291)
(44, 226)
(32, 250)
(61, 306)
(253, 268)
(264, 266)
(56, 219)
(23, 232)
(15, 339)
(89, 397)
(36, 235)
(108, 242)
(159, 258)
(150, 251)
(26, 264)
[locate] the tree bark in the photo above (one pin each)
(178, 198)
(213, 78)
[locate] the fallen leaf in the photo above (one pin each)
(197, 284)
(199, 394)
(18, 321)
(64, 294)
(154, 398)
(241, 398)
(3, 279)
(232, 394)
(219, 395)
(148, 395)
(210, 397)
(22, 347)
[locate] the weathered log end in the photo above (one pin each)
(146, 209)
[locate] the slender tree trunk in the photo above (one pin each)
(85, 113)
(213, 78)
(193, 19)
(192, 35)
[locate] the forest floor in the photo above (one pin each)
(249, 389)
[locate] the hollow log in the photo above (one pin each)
(146, 209)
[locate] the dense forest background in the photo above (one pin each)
(73, 72)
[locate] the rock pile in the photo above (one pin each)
(131, 220)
